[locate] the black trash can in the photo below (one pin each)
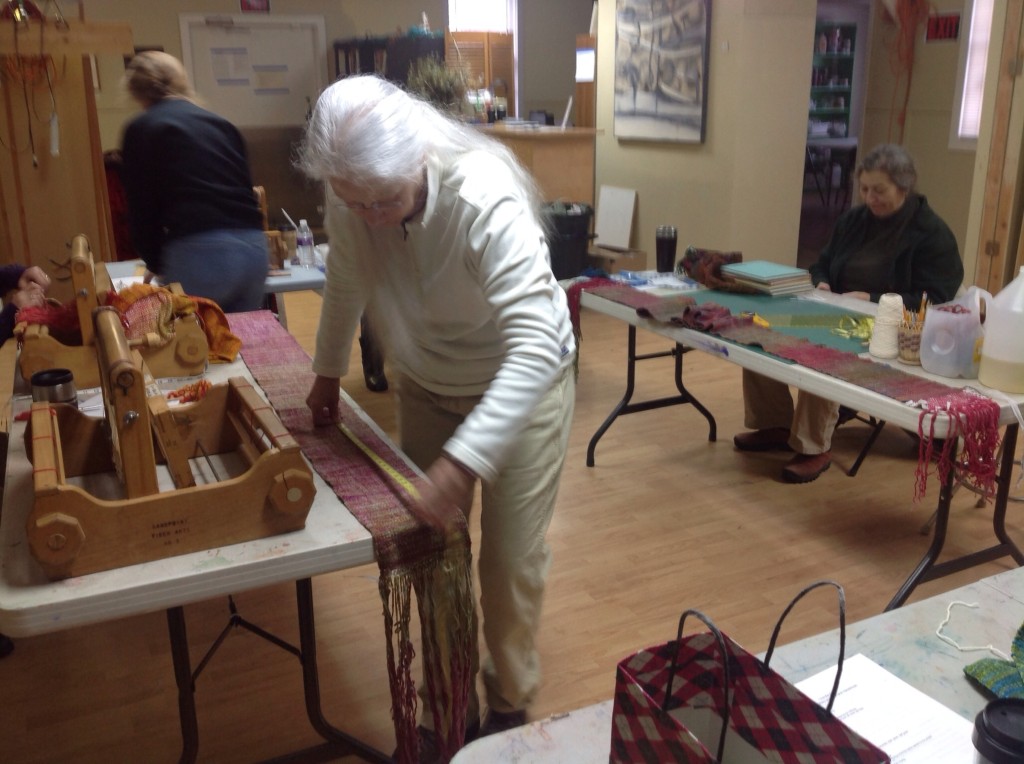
(568, 235)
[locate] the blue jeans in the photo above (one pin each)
(226, 266)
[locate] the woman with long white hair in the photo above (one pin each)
(435, 229)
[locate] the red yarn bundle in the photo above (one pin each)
(974, 419)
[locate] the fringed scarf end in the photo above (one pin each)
(973, 418)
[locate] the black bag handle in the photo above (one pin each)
(727, 695)
(842, 632)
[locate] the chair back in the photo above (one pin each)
(261, 200)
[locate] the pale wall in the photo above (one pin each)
(547, 42)
(547, 52)
(741, 189)
(944, 175)
(155, 22)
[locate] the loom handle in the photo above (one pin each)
(115, 354)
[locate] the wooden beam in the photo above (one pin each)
(79, 38)
(1003, 163)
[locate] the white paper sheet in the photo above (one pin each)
(613, 225)
(897, 717)
(125, 282)
(654, 280)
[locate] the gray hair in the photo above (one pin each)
(894, 161)
(368, 131)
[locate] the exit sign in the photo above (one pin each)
(943, 26)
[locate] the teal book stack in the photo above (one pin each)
(770, 278)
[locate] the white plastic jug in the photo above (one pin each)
(1002, 354)
(951, 338)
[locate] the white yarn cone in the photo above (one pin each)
(885, 336)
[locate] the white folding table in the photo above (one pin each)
(902, 641)
(296, 280)
(858, 398)
(331, 540)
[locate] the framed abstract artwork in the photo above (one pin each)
(661, 69)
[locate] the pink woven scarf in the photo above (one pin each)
(973, 417)
(411, 556)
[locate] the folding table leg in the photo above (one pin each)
(625, 406)
(928, 569)
(337, 743)
(186, 688)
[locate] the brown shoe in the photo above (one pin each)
(430, 752)
(770, 439)
(498, 721)
(803, 468)
(846, 414)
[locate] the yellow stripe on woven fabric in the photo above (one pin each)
(439, 612)
(382, 465)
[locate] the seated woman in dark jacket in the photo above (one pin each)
(894, 242)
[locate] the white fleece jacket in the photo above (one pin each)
(468, 293)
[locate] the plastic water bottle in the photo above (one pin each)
(304, 245)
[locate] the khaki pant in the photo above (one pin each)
(768, 403)
(516, 510)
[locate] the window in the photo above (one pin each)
(482, 15)
(971, 76)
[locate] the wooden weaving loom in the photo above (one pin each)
(182, 354)
(237, 473)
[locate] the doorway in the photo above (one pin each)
(838, 85)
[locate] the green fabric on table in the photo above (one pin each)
(812, 320)
(1004, 679)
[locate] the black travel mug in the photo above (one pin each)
(665, 247)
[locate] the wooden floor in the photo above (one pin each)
(665, 521)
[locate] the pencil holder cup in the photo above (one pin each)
(909, 339)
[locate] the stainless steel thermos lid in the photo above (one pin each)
(54, 386)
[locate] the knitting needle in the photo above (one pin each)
(290, 219)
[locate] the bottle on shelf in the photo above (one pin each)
(304, 245)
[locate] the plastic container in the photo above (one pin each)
(1002, 355)
(952, 336)
(304, 245)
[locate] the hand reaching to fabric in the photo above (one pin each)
(823, 286)
(448, 487)
(29, 297)
(34, 278)
(858, 295)
(323, 400)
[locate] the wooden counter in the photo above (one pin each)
(561, 160)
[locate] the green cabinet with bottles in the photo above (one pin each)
(831, 80)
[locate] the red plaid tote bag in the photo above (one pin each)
(703, 693)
